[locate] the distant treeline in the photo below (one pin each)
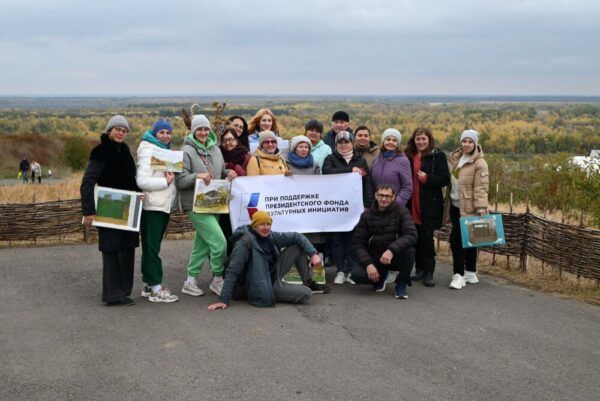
(506, 128)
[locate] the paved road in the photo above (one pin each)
(490, 341)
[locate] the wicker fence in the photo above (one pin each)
(569, 248)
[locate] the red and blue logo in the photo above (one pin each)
(253, 204)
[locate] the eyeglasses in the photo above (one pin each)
(384, 196)
(229, 140)
(269, 142)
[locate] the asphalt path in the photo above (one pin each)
(489, 341)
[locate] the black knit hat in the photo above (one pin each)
(341, 116)
(314, 124)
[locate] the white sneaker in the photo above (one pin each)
(217, 285)
(192, 289)
(392, 276)
(340, 278)
(471, 277)
(164, 295)
(349, 280)
(457, 282)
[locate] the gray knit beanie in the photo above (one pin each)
(200, 121)
(117, 121)
(391, 132)
(297, 140)
(472, 134)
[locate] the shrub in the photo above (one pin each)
(75, 153)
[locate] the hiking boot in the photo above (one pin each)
(164, 295)
(400, 291)
(192, 289)
(340, 278)
(458, 282)
(317, 288)
(471, 277)
(428, 280)
(217, 285)
(418, 275)
(380, 285)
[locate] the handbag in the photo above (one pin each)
(478, 231)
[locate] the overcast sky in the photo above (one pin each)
(350, 47)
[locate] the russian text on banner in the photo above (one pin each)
(302, 203)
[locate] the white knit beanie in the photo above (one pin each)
(200, 121)
(472, 134)
(297, 140)
(391, 132)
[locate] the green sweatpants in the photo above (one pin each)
(152, 227)
(208, 241)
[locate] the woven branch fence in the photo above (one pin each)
(569, 248)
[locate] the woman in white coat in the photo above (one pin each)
(159, 192)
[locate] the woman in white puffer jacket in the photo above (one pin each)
(160, 192)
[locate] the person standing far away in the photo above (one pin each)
(24, 169)
(340, 121)
(36, 171)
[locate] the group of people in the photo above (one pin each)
(25, 167)
(402, 193)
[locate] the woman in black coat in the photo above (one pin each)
(345, 160)
(111, 165)
(430, 174)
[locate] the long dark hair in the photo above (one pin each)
(411, 147)
(243, 138)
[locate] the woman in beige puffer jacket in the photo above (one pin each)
(467, 196)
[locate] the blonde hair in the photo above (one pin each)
(254, 123)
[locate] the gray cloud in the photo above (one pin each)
(344, 47)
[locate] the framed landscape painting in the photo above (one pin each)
(487, 230)
(116, 208)
(212, 198)
(167, 160)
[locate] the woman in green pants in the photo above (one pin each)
(159, 193)
(202, 159)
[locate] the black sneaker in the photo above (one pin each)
(318, 288)
(428, 280)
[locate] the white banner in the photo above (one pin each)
(302, 203)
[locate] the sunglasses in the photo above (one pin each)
(269, 142)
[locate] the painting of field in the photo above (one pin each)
(117, 209)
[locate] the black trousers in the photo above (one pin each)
(117, 274)
(425, 250)
(462, 258)
(402, 263)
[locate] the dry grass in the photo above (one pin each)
(538, 276)
(35, 193)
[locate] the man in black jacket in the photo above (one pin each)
(383, 242)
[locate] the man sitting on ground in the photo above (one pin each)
(383, 242)
(257, 266)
